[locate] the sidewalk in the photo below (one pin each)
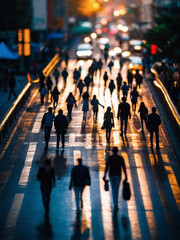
(5, 104)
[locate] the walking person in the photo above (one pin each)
(143, 114)
(110, 65)
(46, 125)
(85, 107)
(105, 78)
(47, 178)
(153, 122)
(12, 84)
(49, 84)
(108, 123)
(100, 66)
(125, 89)
(115, 164)
(61, 125)
(80, 177)
(55, 95)
(71, 101)
(76, 75)
(134, 97)
(56, 75)
(95, 103)
(111, 87)
(65, 75)
(87, 81)
(119, 81)
(139, 78)
(123, 114)
(80, 86)
(42, 92)
(130, 78)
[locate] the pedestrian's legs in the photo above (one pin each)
(125, 123)
(77, 194)
(142, 119)
(157, 138)
(108, 133)
(63, 140)
(121, 125)
(151, 137)
(58, 139)
(14, 93)
(95, 115)
(46, 191)
(47, 132)
(10, 92)
(115, 183)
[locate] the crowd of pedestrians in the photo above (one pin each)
(80, 175)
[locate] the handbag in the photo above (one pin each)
(106, 185)
(103, 126)
(126, 191)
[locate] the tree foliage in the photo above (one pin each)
(166, 35)
(15, 14)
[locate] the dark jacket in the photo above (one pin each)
(61, 123)
(80, 176)
(46, 177)
(123, 110)
(114, 164)
(153, 122)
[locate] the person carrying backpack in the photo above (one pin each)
(123, 114)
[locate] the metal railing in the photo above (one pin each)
(12, 112)
(174, 118)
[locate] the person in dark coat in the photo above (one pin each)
(108, 123)
(12, 84)
(130, 78)
(80, 86)
(61, 125)
(47, 178)
(95, 102)
(55, 95)
(46, 125)
(65, 75)
(80, 177)
(87, 81)
(153, 122)
(119, 81)
(125, 89)
(111, 87)
(134, 98)
(71, 101)
(105, 78)
(49, 84)
(114, 164)
(139, 78)
(143, 114)
(123, 114)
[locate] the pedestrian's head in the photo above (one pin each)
(108, 109)
(153, 109)
(115, 150)
(123, 99)
(60, 112)
(137, 71)
(50, 109)
(142, 104)
(134, 88)
(94, 97)
(112, 80)
(80, 161)
(47, 162)
(70, 94)
(124, 83)
(105, 72)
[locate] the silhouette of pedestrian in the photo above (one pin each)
(76, 75)
(87, 81)
(119, 81)
(139, 78)
(47, 178)
(85, 107)
(153, 122)
(114, 164)
(111, 87)
(125, 89)
(42, 92)
(134, 97)
(49, 84)
(108, 123)
(5, 80)
(55, 95)
(46, 125)
(110, 65)
(123, 113)
(71, 101)
(80, 86)
(100, 65)
(80, 177)
(130, 78)
(143, 114)
(95, 103)
(65, 75)
(61, 125)
(12, 84)
(105, 78)
(56, 75)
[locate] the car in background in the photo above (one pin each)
(84, 51)
(135, 45)
(103, 43)
(135, 63)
